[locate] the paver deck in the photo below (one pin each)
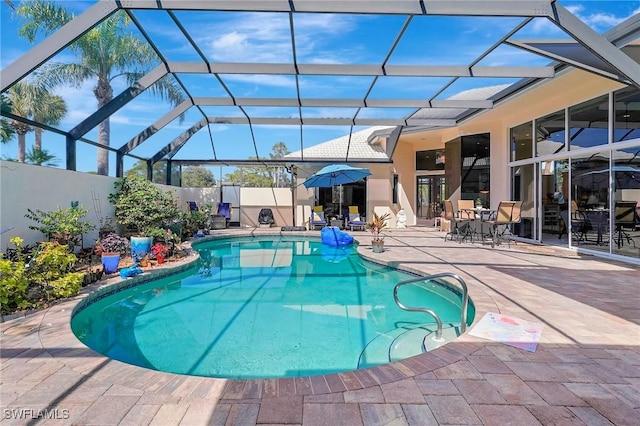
(586, 369)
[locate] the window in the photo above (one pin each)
(394, 196)
(430, 160)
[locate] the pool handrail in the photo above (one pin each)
(465, 300)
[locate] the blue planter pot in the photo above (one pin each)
(110, 262)
(140, 247)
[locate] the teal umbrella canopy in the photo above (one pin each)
(336, 174)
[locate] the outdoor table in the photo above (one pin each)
(598, 219)
(339, 223)
(478, 215)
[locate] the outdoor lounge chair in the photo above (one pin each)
(192, 206)
(265, 218)
(224, 209)
(355, 222)
(317, 218)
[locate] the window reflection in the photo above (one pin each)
(626, 195)
(430, 160)
(590, 186)
(550, 135)
(589, 122)
(521, 141)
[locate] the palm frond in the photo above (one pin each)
(55, 74)
(40, 157)
(42, 18)
(166, 89)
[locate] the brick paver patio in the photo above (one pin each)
(586, 369)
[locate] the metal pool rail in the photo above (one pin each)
(465, 300)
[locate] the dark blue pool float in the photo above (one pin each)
(334, 237)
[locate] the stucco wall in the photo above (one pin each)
(24, 186)
(254, 199)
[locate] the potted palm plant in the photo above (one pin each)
(375, 226)
(111, 247)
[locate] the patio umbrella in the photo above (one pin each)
(336, 174)
(626, 177)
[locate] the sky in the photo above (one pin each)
(265, 37)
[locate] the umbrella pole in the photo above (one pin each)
(340, 212)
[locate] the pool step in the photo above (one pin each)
(404, 342)
(420, 339)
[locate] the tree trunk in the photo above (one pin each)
(104, 93)
(21, 146)
(37, 144)
(21, 130)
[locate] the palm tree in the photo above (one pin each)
(40, 157)
(6, 130)
(104, 53)
(22, 97)
(50, 110)
(31, 101)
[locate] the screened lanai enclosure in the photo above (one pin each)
(220, 83)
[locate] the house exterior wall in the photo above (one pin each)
(565, 90)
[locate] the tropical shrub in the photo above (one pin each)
(27, 284)
(51, 269)
(64, 226)
(142, 206)
(194, 220)
(377, 225)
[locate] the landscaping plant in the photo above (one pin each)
(112, 243)
(31, 284)
(143, 207)
(65, 226)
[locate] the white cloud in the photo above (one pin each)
(597, 20)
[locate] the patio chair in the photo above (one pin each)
(317, 218)
(355, 222)
(625, 221)
(265, 218)
(465, 207)
(578, 223)
(192, 206)
(459, 226)
(224, 209)
(500, 222)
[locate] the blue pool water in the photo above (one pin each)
(266, 307)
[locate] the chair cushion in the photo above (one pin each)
(318, 217)
(355, 218)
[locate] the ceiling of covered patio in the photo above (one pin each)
(253, 73)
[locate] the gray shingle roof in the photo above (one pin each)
(360, 148)
(363, 149)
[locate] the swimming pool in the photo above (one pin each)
(257, 307)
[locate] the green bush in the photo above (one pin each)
(62, 225)
(142, 206)
(194, 220)
(49, 274)
(14, 286)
